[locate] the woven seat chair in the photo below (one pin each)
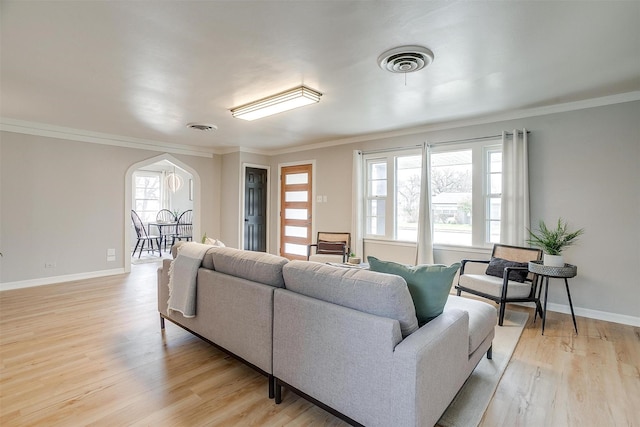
(330, 247)
(502, 290)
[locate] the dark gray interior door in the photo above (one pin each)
(255, 210)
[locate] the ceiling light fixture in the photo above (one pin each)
(284, 101)
(405, 59)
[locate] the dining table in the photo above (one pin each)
(162, 230)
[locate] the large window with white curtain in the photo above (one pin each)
(392, 191)
(466, 193)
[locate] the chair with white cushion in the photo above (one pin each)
(503, 279)
(330, 247)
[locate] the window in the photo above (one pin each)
(466, 190)
(146, 188)
(493, 197)
(392, 195)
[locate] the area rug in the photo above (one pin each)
(472, 401)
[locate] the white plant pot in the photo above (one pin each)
(354, 260)
(553, 260)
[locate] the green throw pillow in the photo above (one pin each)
(429, 285)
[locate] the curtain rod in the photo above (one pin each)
(384, 150)
(460, 141)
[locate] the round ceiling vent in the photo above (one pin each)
(202, 126)
(405, 59)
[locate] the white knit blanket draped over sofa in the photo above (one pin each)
(182, 278)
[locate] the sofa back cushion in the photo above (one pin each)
(259, 267)
(378, 294)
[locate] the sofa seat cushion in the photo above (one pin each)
(259, 267)
(366, 291)
(482, 318)
(492, 285)
(429, 285)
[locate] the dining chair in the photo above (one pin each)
(143, 236)
(184, 227)
(165, 216)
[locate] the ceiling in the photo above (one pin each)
(144, 70)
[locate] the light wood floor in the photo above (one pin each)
(91, 352)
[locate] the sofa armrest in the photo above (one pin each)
(429, 367)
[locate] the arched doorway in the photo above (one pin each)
(193, 191)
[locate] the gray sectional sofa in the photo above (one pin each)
(346, 339)
(234, 303)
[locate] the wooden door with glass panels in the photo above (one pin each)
(295, 211)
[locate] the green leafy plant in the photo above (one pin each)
(553, 241)
(204, 237)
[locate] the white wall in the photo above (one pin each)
(584, 166)
(63, 202)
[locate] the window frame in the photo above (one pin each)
(480, 149)
(390, 221)
(153, 174)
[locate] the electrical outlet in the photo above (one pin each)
(49, 265)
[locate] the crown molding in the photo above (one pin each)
(493, 118)
(41, 129)
(59, 132)
(231, 150)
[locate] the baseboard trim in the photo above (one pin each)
(58, 279)
(592, 314)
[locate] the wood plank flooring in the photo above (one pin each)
(91, 352)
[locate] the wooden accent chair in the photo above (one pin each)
(516, 283)
(330, 247)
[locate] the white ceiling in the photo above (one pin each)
(145, 69)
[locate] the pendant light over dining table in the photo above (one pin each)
(173, 181)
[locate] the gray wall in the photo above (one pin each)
(231, 220)
(63, 202)
(584, 167)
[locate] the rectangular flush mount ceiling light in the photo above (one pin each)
(284, 101)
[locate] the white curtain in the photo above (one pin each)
(424, 253)
(357, 217)
(166, 197)
(514, 216)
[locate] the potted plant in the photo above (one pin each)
(353, 259)
(553, 241)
